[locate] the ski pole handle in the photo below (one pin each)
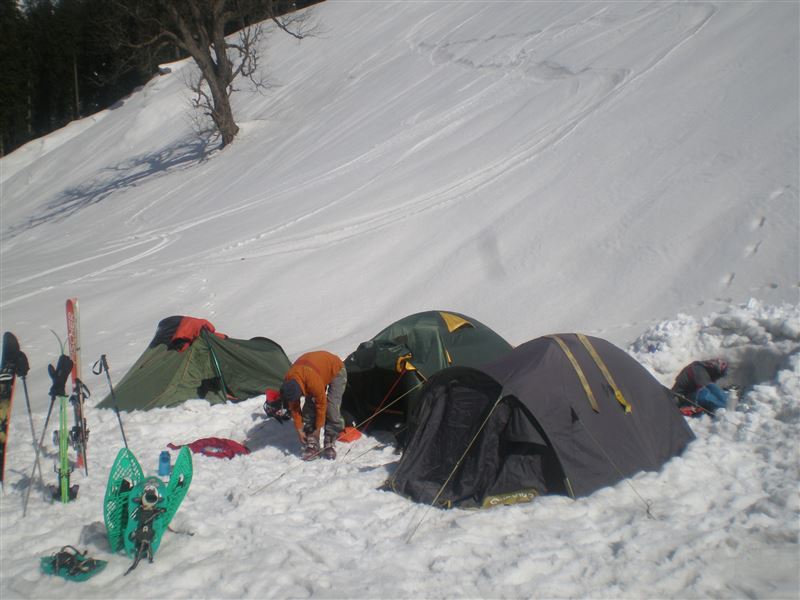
(98, 367)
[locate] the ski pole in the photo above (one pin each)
(22, 370)
(33, 429)
(36, 461)
(57, 389)
(98, 367)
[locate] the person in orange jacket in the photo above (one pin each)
(320, 377)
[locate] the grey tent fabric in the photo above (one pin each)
(533, 429)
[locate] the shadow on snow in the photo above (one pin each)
(120, 177)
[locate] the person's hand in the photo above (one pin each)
(302, 435)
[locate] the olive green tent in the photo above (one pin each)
(385, 373)
(217, 368)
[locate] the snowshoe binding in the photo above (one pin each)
(146, 508)
(138, 516)
(72, 564)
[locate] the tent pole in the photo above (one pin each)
(385, 398)
(215, 362)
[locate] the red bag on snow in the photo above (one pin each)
(213, 446)
(691, 411)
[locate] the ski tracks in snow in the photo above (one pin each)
(154, 242)
(591, 89)
(535, 66)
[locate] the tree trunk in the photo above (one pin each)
(77, 112)
(222, 113)
(223, 117)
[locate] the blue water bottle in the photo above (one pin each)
(163, 463)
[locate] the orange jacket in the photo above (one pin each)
(313, 371)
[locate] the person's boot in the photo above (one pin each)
(311, 449)
(329, 449)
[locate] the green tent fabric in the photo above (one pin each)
(165, 376)
(384, 373)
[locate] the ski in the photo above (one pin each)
(79, 434)
(61, 437)
(8, 376)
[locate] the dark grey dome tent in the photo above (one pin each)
(562, 414)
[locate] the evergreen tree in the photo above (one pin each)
(65, 59)
(13, 77)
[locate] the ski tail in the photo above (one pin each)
(9, 367)
(59, 375)
(63, 454)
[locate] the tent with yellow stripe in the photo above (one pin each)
(562, 414)
(385, 373)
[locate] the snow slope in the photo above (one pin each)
(625, 169)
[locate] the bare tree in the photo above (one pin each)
(222, 36)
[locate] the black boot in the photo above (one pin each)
(328, 449)
(311, 448)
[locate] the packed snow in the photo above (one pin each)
(624, 169)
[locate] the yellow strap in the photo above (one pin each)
(454, 322)
(579, 371)
(606, 373)
(403, 363)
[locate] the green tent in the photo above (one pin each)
(204, 365)
(385, 373)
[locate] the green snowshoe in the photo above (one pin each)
(126, 473)
(70, 563)
(151, 506)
